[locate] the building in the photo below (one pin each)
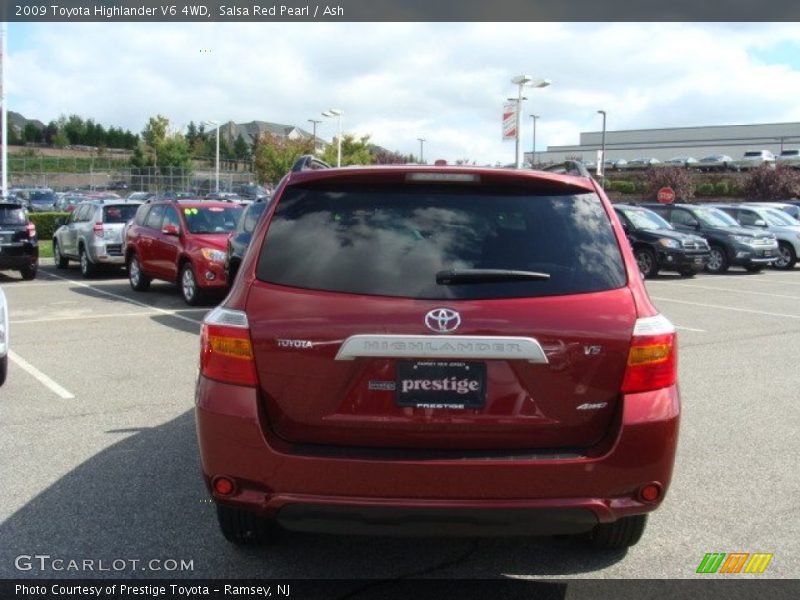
(663, 144)
(252, 130)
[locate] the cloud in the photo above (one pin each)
(445, 82)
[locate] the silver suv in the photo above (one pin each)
(92, 235)
(756, 158)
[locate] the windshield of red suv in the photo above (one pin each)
(212, 219)
(396, 242)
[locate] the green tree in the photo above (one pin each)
(354, 151)
(50, 132)
(276, 155)
(241, 149)
(173, 151)
(60, 139)
(31, 133)
(155, 131)
(75, 129)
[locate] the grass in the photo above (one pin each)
(45, 249)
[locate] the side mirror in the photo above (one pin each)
(760, 223)
(170, 230)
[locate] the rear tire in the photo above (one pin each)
(646, 259)
(244, 528)
(717, 261)
(62, 262)
(622, 533)
(787, 257)
(3, 369)
(138, 280)
(29, 272)
(88, 268)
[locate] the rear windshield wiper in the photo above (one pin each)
(459, 276)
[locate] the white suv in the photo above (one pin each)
(756, 158)
(790, 158)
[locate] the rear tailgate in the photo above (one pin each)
(565, 402)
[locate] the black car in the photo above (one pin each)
(658, 246)
(253, 192)
(731, 244)
(42, 201)
(240, 238)
(19, 248)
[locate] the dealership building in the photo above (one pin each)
(663, 144)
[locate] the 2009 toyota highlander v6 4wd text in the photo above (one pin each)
(437, 350)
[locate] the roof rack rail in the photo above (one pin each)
(309, 162)
(569, 167)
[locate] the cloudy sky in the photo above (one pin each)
(445, 82)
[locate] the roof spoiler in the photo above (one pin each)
(569, 167)
(309, 162)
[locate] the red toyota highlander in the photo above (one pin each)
(437, 350)
(181, 241)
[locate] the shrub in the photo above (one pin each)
(721, 188)
(705, 189)
(767, 183)
(46, 223)
(675, 177)
(624, 187)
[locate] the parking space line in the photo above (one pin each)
(86, 317)
(129, 300)
(41, 377)
(739, 291)
(684, 328)
(731, 308)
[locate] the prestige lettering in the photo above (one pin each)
(448, 384)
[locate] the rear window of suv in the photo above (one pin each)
(119, 213)
(393, 242)
(12, 215)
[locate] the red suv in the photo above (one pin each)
(422, 350)
(182, 242)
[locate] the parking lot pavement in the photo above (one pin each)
(109, 469)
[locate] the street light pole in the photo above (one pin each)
(3, 98)
(314, 122)
(216, 161)
(336, 112)
(601, 164)
(533, 151)
(421, 143)
(521, 81)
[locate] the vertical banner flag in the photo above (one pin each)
(509, 121)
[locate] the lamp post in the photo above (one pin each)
(3, 96)
(521, 81)
(216, 160)
(601, 164)
(336, 112)
(314, 123)
(421, 144)
(533, 150)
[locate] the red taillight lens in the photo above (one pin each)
(226, 353)
(652, 358)
(98, 229)
(31, 230)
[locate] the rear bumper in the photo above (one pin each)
(538, 494)
(18, 256)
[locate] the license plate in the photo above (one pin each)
(441, 384)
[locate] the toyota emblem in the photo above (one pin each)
(442, 320)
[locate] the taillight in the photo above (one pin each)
(98, 229)
(652, 359)
(31, 230)
(226, 353)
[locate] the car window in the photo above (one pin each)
(141, 214)
(252, 214)
(119, 213)
(748, 217)
(645, 219)
(776, 217)
(212, 219)
(171, 218)
(714, 217)
(683, 217)
(155, 216)
(81, 214)
(393, 242)
(12, 215)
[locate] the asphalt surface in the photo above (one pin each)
(100, 457)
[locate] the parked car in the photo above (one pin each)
(731, 244)
(424, 349)
(789, 207)
(785, 228)
(641, 163)
(19, 247)
(717, 162)
(68, 202)
(658, 246)
(3, 337)
(140, 196)
(239, 240)
(182, 242)
(92, 235)
(683, 161)
(790, 158)
(41, 200)
(252, 191)
(755, 158)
